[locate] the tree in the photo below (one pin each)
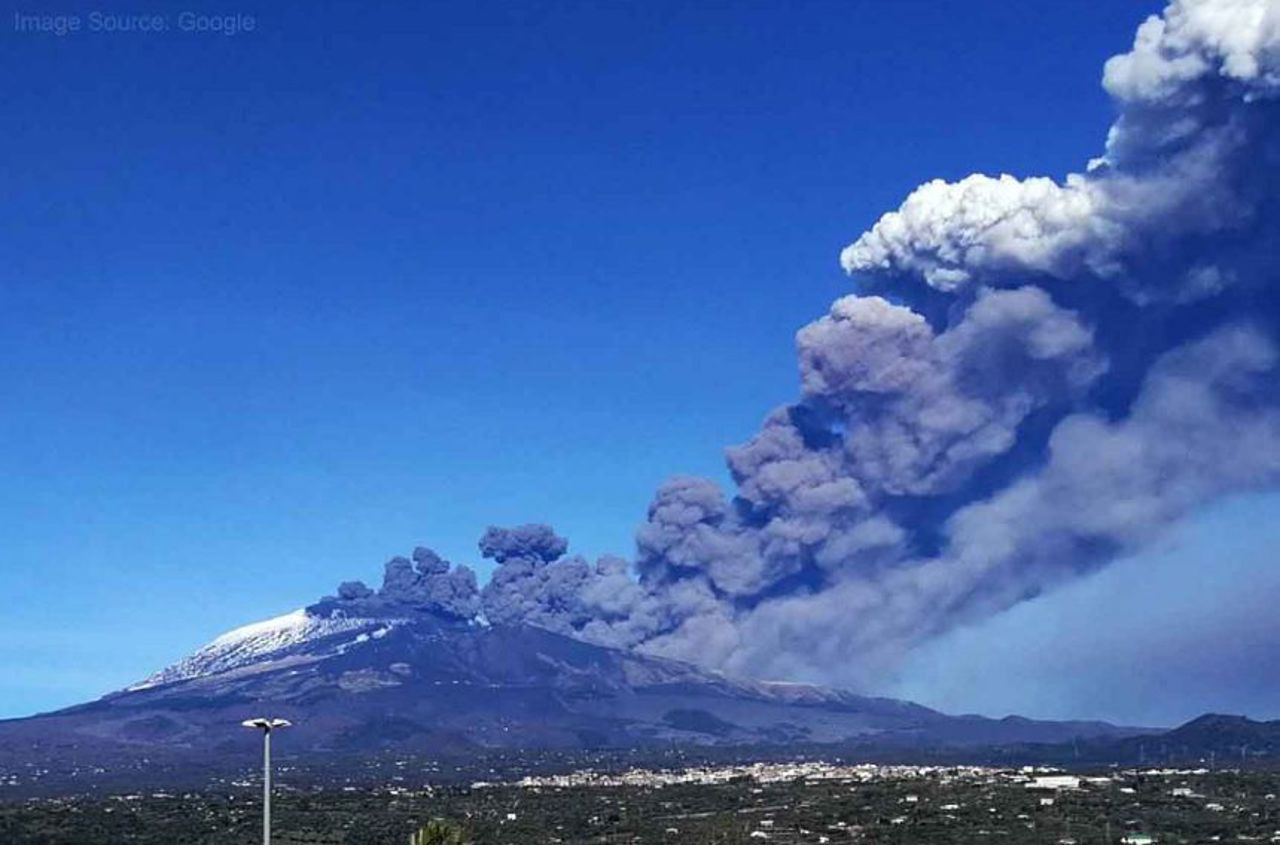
(439, 832)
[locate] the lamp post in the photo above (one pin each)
(266, 726)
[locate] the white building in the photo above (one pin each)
(1054, 782)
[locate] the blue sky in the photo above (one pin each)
(278, 306)
(1185, 628)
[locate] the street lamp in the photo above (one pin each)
(266, 726)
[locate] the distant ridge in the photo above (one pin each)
(1224, 735)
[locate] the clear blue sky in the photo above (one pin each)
(278, 306)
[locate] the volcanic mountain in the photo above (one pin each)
(361, 674)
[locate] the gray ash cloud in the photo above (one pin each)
(428, 583)
(1032, 378)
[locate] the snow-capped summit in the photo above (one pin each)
(253, 646)
(426, 588)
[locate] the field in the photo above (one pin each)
(765, 803)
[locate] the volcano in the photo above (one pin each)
(367, 676)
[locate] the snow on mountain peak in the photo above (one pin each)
(252, 644)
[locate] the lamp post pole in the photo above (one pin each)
(266, 726)
(266, 787)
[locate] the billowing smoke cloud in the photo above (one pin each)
(535, 584)
(1034, 378)
(427, 583)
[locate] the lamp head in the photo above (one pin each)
(267, 724)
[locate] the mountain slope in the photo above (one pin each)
(1212, 737)
(1221, 734)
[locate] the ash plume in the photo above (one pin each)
(1032, 378)
(427, 583)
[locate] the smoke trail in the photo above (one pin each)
(428, 583)
(1033, 378)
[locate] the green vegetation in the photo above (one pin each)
(438, 832)
(937, 806)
